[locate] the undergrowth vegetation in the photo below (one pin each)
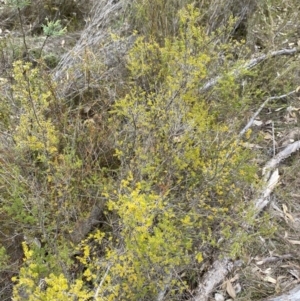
(126, 190)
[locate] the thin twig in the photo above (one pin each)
(273, 138)
(102, 280)
(23, 33)
(285, 153)
(249, 124)
(162, 293)
(274, 259)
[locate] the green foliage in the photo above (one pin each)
(183, 171)
(4, 257)
(173, 182)
(51, 60)
(41, 205)
(35, 132)
(177, 193)
(53, 29)
(20, 4)
(155, 243)
(33, 285)
(156, 18)
(45, 189)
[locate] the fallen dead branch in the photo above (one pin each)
(264, 199)
(250, 123)
(285, 153)
(94, 45)
(292, 295)
(84, 226)
(271, 178)
(213, 277)
(250, 64)
(274, 259)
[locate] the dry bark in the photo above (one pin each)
(292, 295)
(214, 276)
(84, 226)
(285, 153)
(96, 45)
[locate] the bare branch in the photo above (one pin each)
(250, 123)
(162, 293)
(274, 162)
(274, 259)
(101, 282)
(264, 199)
(250, 64)
(253, 62)
(213, 277)
(84, 226)
(272, 180)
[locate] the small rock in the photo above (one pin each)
(219, 297)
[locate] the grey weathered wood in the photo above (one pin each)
(96, 46)
(292, 295)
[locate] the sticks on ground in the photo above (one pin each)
(213, 277)
(250, 123)
(221, 268)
